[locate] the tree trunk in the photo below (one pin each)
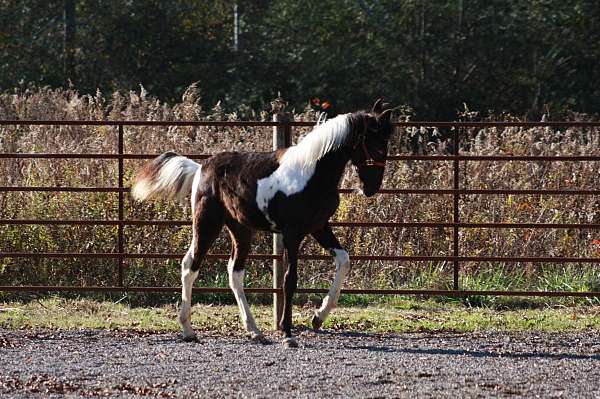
(69, 42)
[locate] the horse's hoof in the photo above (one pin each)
(316, 322)
(189, 338)
(290, 343)
(260, 339)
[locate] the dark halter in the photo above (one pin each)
(369, 161)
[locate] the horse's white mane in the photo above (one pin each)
(298, 163)
(324, 138)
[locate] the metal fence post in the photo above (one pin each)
(282, 138)
(456, 209)
(120, 226)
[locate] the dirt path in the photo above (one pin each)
(100, 363)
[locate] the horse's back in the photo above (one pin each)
(231, 177)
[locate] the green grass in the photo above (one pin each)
(398, 315)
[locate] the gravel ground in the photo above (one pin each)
(327, 364)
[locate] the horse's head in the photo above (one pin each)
(371, 133)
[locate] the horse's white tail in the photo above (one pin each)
(168, 175)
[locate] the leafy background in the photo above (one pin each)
(525, 57)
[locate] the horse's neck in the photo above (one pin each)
(330, 168)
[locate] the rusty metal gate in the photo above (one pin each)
(286, 126)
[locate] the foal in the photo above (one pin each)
(293, 191)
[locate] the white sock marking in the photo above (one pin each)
(236, 282)
(342, 262)
(187, 275)
(187, 281)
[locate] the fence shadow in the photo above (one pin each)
(509, 353)
(480, 354)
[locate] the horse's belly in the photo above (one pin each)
(247, 213)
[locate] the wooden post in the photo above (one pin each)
(282, 138)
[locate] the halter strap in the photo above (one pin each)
(369, 160)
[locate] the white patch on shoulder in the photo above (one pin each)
(298, 163)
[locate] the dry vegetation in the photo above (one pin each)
(66, 104)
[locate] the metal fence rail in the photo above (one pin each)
(455, 191)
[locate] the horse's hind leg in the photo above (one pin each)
(207, 223)
(188, 276)
(327, 240)
(241, 238)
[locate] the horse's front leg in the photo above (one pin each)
(290, 282)
(327, 240)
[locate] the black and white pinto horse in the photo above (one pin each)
(293, 191)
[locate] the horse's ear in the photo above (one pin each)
(385, 115)
(377, 107)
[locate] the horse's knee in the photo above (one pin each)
(341, 258)
(187, 278)
(186, 262)
(290, 283)
(236, 275)
(290, 278)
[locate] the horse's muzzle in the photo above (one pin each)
(368, 192)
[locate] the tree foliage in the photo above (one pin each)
(519, 56)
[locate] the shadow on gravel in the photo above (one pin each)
(450, 352)
(349, 334)
(461, 352)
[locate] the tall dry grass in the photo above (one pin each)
(44, 103)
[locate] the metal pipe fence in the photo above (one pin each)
(286, 125)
